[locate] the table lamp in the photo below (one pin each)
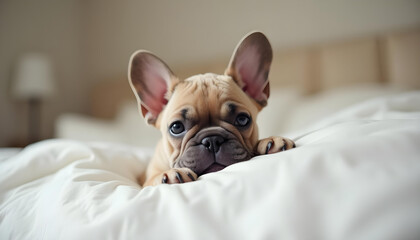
(33, 82)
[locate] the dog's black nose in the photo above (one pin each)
(213, 143)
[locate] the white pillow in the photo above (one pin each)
(319, 106)
(128, 128)
(135, 129)
(85, 128)
(273, 117)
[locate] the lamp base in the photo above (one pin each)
(34, 119)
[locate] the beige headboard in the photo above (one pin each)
(392, 58)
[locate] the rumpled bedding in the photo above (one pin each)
(354, 175)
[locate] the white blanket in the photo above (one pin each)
(356, 175)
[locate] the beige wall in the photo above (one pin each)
(184, 32)
(91, 40)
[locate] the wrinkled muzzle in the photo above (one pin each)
(212, 149)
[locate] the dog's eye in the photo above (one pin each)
(242, 120)
(176, 128)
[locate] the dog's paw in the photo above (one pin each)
(178, 175)
(273, 145)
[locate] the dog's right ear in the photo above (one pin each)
(250, 64)
(150, 78)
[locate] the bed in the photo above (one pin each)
(355, 173)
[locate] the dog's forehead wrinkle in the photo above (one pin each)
(218, 82)
(232, 107)
(184, 112)
(205, 88)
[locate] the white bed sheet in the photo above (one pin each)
(356, 175)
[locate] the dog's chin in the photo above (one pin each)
(215, 167)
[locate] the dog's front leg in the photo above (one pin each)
(274, 145)
(171, 176)
(159, 171)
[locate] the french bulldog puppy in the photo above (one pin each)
(207, 121)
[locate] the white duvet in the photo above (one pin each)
(355, 175)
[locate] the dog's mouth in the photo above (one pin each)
(215, 167)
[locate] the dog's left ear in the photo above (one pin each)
(250, 64)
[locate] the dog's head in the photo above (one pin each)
(207, 121)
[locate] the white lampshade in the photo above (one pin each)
(34, 77)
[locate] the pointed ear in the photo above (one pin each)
(250, 64)
(150, 78)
